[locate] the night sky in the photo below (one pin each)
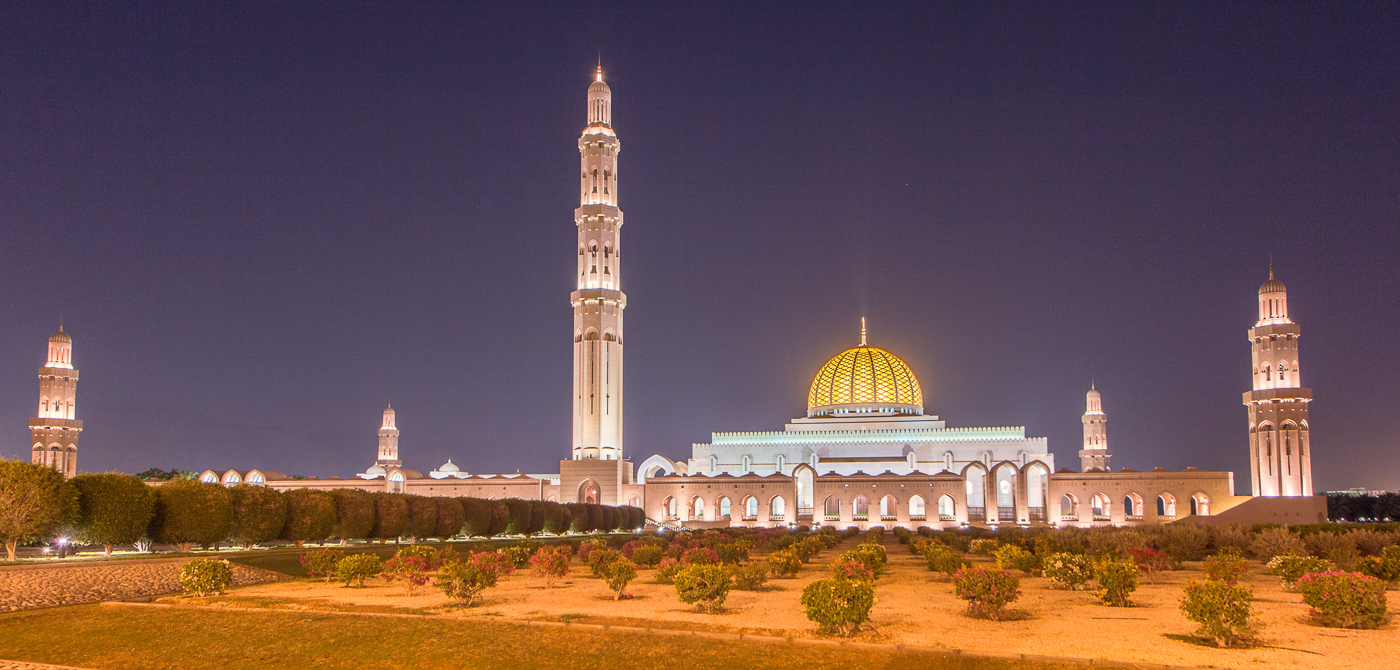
(262, 221)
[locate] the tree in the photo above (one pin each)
(390, 516)
(259, 514)
(34, 501)
(476, 515)
(189, 513)
(354, 514)
(536, 517)
(159, 475)
(500, 518)
(450, 516)
(113, 508)
(422, 516)
(578, 517)
(596, 516)
(556, 518)
(519, 514)
(310, 516)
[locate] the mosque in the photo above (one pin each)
(864, 455)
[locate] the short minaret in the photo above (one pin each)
(1280, 453)
(1095, 454)
(598, 300)
(388, 441)
(55, 431)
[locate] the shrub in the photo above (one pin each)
(390, 516)
(941, 559)
(1336, 547)
(1344, 599)
(115, 509)
(1272, 542)
(987, 591)
(1150, 561)
(520, 516)
(450, 517)
(500, 518)
(1117, 580)
(1230, 536)
(413, 570)
(1184, 541)
(784, 563)
(982, 547)
(354, 514)
(1369, 542)
(206, 576)
(422, 516)
(1012, 556)
(550, 563)
(700, 556)
(1068, 571)
(750, 576)
(499, 563)
(648, 555)
(310, 516)
(537, 516)
(618, 573)
(476, 517)
(357, 567)
(599, 559)
(1221, 608)
(189, 513)
(872, 555)
(259, 514)
(734, 552)
(466, 581)
(1291, 567)
(1225, 568)
(666, 570)
(34, 501)
(703, 585)
(838, 605)
(589, 546)
(320, 563)
(520, 554)
(846, 567)
(1385, 567)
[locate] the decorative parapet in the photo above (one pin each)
(905, 435)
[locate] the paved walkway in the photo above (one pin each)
(34, 588)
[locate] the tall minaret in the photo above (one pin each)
(598, 302)
(1280, 455)
(388, 441)
(1095, 454)
(55, 431)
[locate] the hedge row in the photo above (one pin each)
(116, 509)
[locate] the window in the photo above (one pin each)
(747, 465)
(946, 508)
(751, 508)
(778, 508)
(781, 462)
(724, 508)
(832, 506)
(916, 506)
(714, 465)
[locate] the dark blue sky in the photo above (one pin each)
(260, 222)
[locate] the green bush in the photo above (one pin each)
(578, 517)
(1067, 571)
(189, 513)
(1344, 599)
(320, 563)
(987, 591)
(982, 547)
(940, 558)
(422, 517)
(838, 605)
(598, 560)
(550, 563)
(1271, 542)
(648, 555)
(113, 509)
(735, 552)
(465, 581)
(500, 517)
(1290, 568)
(1221, 608)
(358, 567)
(537, 514)
(556, 518)
(618, 574)
(476, 517)
(1012, 556)
(666, 570)
(411, 568)
(784, 563)
(703, 585)
(259, 514)
(354, 514)
(1225, 567)
(750, 576)
(390, 516)
(872, 555)
(1117, 581)
(206, 576)
(449, 517)
(1385, 567)
(847, 567)
(520, 516)
(310, 516)
(34, 501)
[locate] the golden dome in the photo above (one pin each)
(865, 380)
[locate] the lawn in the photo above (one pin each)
(100, 636)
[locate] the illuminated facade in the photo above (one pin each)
(1280, 453)
(55, 431)
(1095, 454)
(388, 441)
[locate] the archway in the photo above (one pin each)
(588, 491)
(975, 478)
(1100, 506)
(1069, 507)
(916, 507)
(723, 507)
(777, 510)
(889, 508)
(804, 477)
(697, 508)
(1006, 492)
(831, 507)
(1037, 491)
(1166, 506)
(860, 508)
(750, 508)
(1200, 504)
(947, 508)
(1132, 506)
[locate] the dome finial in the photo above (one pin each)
(600, 66)
(862, 331)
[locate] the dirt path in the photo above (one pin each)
(32, 588)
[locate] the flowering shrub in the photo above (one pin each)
(666, 570)
(618, 573)
(1221, 608)
(700, 556)
(872, 555)
(1385, 567)
(320, 563)
(1150, 561)
(750, 576)
(588, 546)
(703, 586)
(599, 559)
(735, 552)
(498, 563)
(1067, 571)
(982, 547)
(987, 591)
(1012, 556)
(1225, 567)
(1344, 599)
(916, 545)
(942, 559)
(649, 555)
(1290, 567)
(1117, 580)
(550, 563)
(411, 569)
(421, 551)
(850, 568)
(466, 581)
(521, 553)
(838, 605)
(206, 576)
(784, 563)
(357, 567)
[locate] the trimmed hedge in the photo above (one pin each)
(354, 514)
(113, 509)
(519, 514)
(476, 514)
(189, 513)
(422, 516)
(310, 516)
(449, 517)
(259, 514)
(390, 516)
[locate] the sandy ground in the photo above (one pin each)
(914, 607)
(34, 587)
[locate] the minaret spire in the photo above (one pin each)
(862, 331)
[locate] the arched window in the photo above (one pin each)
(861, 508)
(778, 508)
(947, 509)
(1100, 506)
(231, 478)
(913, 461)
(714, 464)
(255, 478)
(209, 478)
(1166, 506)
(751, 508)
(1068, 507)
(632, 502)
(723, 507)
(916, 507)
(746, 465)
(668, 507)
(832, 507)
(781, 462)
(888, 507)
(697, 508)
(1200, 505)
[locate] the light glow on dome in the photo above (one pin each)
(865, 379)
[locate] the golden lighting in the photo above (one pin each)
(868, 376)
